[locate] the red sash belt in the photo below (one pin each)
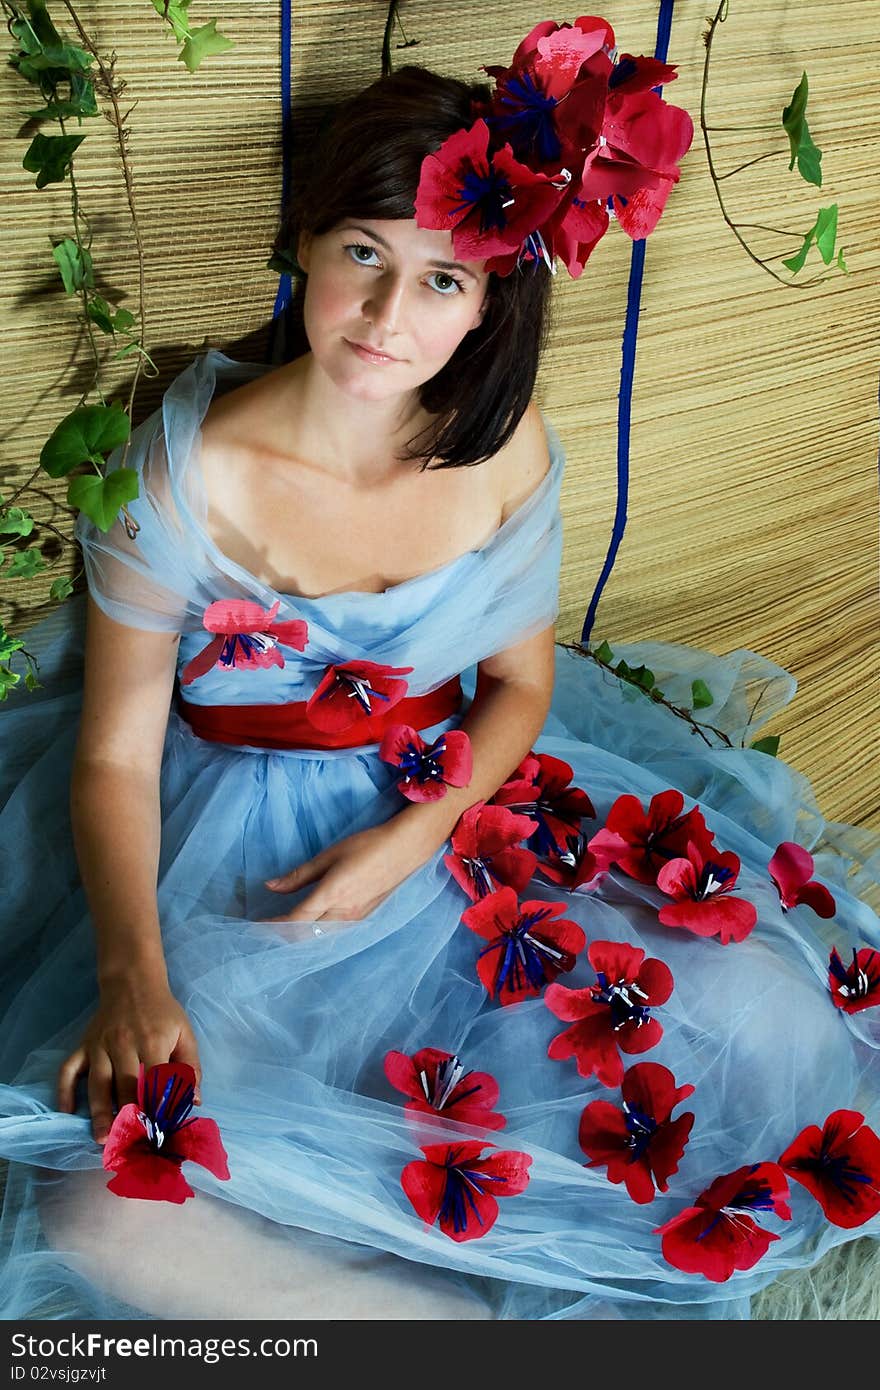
(286, 726)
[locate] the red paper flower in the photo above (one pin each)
(840, 1165)
(640, 1145)
(718, 1235)
(699, 886)
(460, 1188)
(575, 868)
(529, 944)
(428, 768)
(248, 638)
(149, 1141)
(484, 855)
(541, 788)
(612, 1016)
(439, 1086)
(641, 844)
(550, 102)
(354, 691)
(791, 869)
(857, 986)
(489, 201)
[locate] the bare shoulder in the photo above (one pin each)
(526, 461)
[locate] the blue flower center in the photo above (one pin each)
(529, 123)
(640, 1129)
(623, 1000)
(478, 869)
(458, 1195)
(713, 879)
(249, 642)
(164, 1114)
(423, 765)
(525, 958)
(447, 1077)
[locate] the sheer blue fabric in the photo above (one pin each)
(293, 1028)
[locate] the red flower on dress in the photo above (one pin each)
(791, 869)
(247, 638)
(541, 788)
(718, 1235)
(575, 868)
(148, 1141)
(484, 854)
(613, 1015)
(460, 1188)
(857, 986)
(840, 1165)
(488, 200)
(640, 843)
(529, 944)
(429, 768)
(438, 1085)
(354, 691)
(640, 1145)
(699, 885)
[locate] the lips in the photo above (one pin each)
(367, 347)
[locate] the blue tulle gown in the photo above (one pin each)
(293, 1030)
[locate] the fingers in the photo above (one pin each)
(125, 1073)
(101, 1094)
(187, 1051)
(68, 1074)
(302, 874)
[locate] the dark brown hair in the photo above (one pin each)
(366, 163)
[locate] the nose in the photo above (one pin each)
(385, 306)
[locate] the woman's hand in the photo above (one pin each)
(137, 1021)
(353, 876)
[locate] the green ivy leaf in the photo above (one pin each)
(81, 102)
(61, 588)
(824, 233)
(176, 15)
(31, 681)
(101, 498)
(26, 563)
(8, 644)
(108, 319)
(16, 522)
(75, 263)
(701, 695)
(49, 157)
(794, 120)
(86, 435)
(604, 652)
(7, 680)
(768, 744)
(642, 677)
(203, 43)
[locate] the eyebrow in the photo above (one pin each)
(444, 265)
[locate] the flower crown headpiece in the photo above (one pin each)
(572, 136)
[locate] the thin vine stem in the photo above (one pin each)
(713, 21)
(678, 710)
(109, 89)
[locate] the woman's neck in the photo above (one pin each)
(358, 440)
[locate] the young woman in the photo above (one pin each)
(378, 987)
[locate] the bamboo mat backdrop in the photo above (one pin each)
(754, 416)
(754, 413)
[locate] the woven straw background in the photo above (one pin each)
(753, 498)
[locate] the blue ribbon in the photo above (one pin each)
(285, 283)
(624, 398)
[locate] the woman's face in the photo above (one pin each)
(372, 282)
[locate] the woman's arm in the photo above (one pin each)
(116, 821)
(114, 790)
